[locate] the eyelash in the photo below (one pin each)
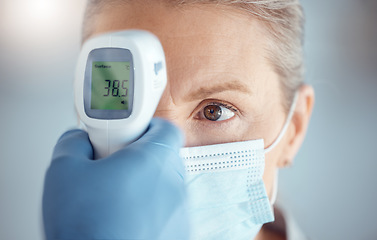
(200, 113)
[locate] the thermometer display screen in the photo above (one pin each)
(110, 85)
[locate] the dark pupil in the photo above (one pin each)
(212, 112)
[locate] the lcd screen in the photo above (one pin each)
(110, 85)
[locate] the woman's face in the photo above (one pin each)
(221, 87)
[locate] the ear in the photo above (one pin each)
(299, 125)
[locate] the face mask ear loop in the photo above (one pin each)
(275, 188)
(285, 127)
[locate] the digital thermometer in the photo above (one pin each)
(120, 78)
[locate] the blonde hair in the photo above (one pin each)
(284, 21)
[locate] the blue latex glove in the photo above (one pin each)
(136, 193)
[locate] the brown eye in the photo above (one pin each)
(212, 112)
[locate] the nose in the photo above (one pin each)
(167, 109)
(166, 113)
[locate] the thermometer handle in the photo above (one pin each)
(107, 141)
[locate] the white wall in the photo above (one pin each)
(330, 189)
(37, 61)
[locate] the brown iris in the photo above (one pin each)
(212, 112)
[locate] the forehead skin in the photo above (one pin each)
(208, 46)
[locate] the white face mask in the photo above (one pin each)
(227, 198)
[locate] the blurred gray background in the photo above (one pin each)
(330, 189)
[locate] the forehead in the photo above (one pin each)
(202, 43)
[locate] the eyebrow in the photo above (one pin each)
(204, 92)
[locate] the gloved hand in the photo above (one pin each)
(135, 193)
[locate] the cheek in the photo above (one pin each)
(208, 133)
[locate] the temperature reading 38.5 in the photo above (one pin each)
(116, 88)
(110, 86)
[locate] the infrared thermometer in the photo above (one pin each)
(120, 78)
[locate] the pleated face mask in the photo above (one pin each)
(227, 198)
